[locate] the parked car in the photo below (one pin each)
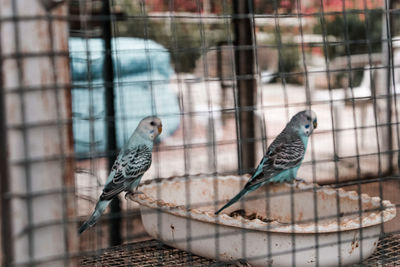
(142, 72)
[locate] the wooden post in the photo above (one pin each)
(246, 84)
(37, 103)
(6, 226)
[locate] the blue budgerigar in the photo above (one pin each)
(132, 162)
(283, 157)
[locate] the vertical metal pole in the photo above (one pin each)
(385, 107)
(246, 83)
(390, 91)
(221, 73)
(108, 76)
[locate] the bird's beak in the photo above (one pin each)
(159, 129)
(315, 124)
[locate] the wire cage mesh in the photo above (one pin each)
(224, 77)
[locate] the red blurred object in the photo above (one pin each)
(178, 6)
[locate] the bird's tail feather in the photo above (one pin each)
(234, 199)
(100, 207)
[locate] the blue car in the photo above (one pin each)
(142, 72)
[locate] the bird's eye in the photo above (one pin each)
(307, 126)
(308, 118)
(152, 123)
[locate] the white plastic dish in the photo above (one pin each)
(334, 238)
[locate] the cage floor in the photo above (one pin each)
(154, 253)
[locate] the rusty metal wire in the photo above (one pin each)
(387, 253)
(142, 254)
(153, 252)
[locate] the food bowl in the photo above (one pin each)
(329, 226)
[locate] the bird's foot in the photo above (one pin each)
(300, 180)
(129, 195)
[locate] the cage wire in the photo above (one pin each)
(224, 77)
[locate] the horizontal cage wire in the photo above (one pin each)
(199, 133)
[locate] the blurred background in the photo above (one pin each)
(224, 77)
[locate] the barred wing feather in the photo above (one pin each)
(132, 165)
(281, 157)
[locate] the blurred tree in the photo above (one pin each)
(186, 40)
(358, 31)
(314, 6)
(289, 58)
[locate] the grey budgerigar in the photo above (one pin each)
(283, 157)
(132, 162)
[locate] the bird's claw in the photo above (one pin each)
(300, 180)
(129, 195)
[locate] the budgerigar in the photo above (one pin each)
(283, 157)
(132, 162)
